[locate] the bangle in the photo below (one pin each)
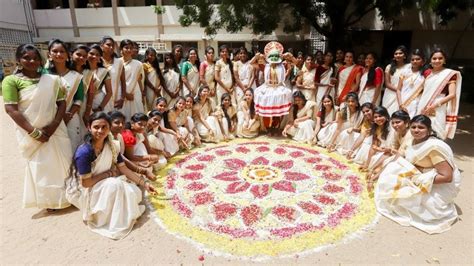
(35, 133)
(438, 104)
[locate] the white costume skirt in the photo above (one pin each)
(272, 101)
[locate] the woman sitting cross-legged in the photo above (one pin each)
(419, 190)
(205, 123)
(248, 122)
(226, 115)
(108, 200)
(300, 124)
(178, 122)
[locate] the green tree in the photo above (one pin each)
(331, 18)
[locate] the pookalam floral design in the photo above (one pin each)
(259, 199)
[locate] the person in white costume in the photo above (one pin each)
(410, 85)
(392, 77)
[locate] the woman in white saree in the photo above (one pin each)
(392, 77)
(419, 190)
(244, 74)
(371, 81)
(248, 122)
(305, 80)
(410, 85)
(36, 104)
(301, 124)
(207, 73)
(205, 123)
(173, 83)
(441, 95)
(324, 79)
(190, 73)
(102, 186)
(116, 71)
(224, 75)
(101, 91)
(325, 117)
(154, 80)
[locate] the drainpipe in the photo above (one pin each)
(115, 18)
(72, 9)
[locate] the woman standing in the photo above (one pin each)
(133, 68)
(190, 73)
(440, 98)
(324, 79)
(207, 73)
(101, 92)
(36, 103)
(154, 81)
(102, 186)
(305, 79)
(410, 85)
(206, 124)
(172, 79)
(224, 75)
(371, 81)
(244, 75)
(116, 71)
(419, 190)
(348, 77)
(392, 77)
(71, 80)
(248, 122)
(301, 123)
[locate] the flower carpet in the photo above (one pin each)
(263, 198)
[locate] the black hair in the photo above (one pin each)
(189, 96)
(401, 115)
(385, 130)
(96, 116)
(161, 99)
(177, 100)
(298, 94)
(439, 50)
(116, 115)
(223, 96)
(22, 49)
(156, 65)
(229, 62)
(51, 67)
(99, 49)
(173, 52)
(345, 111)
(323, 109)
(174, 65)
(106, 38)
(73, 50)
(371, 74)
(164, 114)
(425, 120)
(252, 104)
(154, 113)
(197, 63)
(393, 64)
(137, 117)
(420, 53)
(333, 74)
(197, 99)
(125, 42)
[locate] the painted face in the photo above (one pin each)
(327, 103)
(117, 125)
(367, 112)
(79, 57)
(58, 54)
(210, 54)
(154, 122)
(93, 56)
(399, 56)
(398, 124)
(379, 119)
(369, 60)
(108, 47)
(248, 96)
(150, 57)
(189, 103)
(99, 129)
(416, 61)
(139, 127)
(161, 106)
(419, 131)
(349, 59)
(437, 60)
(127, 51)
(180, 104)
(30, 61)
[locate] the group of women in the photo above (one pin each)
(94, 127)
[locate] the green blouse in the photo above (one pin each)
(12, 84)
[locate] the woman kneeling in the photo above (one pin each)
(109, 203)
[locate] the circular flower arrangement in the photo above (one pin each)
(261, 199)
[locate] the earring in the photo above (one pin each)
(19, 67)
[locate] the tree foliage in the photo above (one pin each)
(332, 18)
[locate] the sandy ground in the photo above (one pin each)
(32, 236)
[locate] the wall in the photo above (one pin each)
(12, 15)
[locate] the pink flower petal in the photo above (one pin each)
(196, 186)
(242, 149)
(279, 151)
(326, 200)
(284, 165)
(224, 210)
(181, 207)
(313, 160)
(192, 176)
(205, 158)
(310, 207)
(260, 161)
(331, 176)
(284, 185)
(322, 167)
(202, 198)
(227, 176)
(196, 167)
(237, 187)
(260, 191)
(263, 149)
(331, 188)
(295, 176)
(284, 213)
(296, 154)
(235, 164)
(251, 214)
(223, 152)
